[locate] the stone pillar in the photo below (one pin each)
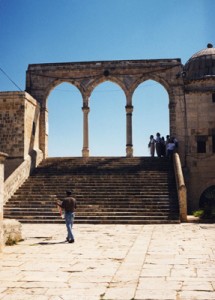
(181, 188)
(85, 151)
(2, 159)
(44, 131)
(129, 145)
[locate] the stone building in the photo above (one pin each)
(199, 93)
(191, 90)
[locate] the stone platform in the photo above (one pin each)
(111, 262)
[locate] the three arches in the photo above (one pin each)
(107, 118)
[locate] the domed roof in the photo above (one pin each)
(201, 65)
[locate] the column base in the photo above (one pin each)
(129, 151)
(85, 153)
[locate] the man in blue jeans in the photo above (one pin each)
(69, 206)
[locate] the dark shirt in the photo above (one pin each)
(69, 204)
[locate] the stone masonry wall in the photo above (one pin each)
(19, 123)
(12, 111)
(201, 166)
(19, 138)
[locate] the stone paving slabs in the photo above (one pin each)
(111, 262)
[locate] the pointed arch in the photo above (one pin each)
(103, 79)
(153, 77)
(55, 83)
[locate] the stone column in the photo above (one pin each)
(44, 131)
(129, 145)
(2, 159)
(85, 151)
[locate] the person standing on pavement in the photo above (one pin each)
(69, 205)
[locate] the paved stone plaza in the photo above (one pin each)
(111, 262)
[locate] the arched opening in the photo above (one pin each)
(207, 202)
(150, 115)
(65, 134)
(107, 136)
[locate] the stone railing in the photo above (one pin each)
(181, 188)
(17, 178)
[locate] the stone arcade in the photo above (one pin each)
(191, 90)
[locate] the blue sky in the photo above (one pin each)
(43, 31)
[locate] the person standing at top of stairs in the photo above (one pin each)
(158, 144)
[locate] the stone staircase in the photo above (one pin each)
(109, 190)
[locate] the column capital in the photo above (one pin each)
(129, 109)
(86, 109)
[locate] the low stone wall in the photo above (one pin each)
(12, 231)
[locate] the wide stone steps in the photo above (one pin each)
(105, 220)
(35, 210)
(108, 190)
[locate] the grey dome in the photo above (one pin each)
(201, 65)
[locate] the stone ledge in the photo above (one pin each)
(193, 219)
(12, 230)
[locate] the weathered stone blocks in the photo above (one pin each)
(12, 231)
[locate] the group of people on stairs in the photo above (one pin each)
(164, 148)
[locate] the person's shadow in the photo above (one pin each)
(48, 241)
(51, 243)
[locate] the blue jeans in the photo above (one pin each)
(69, 219)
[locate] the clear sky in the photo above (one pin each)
(46, 31)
